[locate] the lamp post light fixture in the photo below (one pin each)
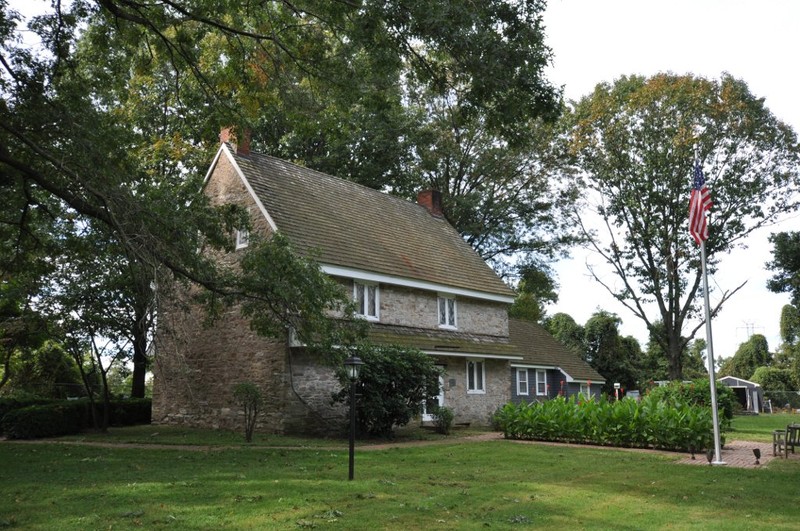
(353, 367)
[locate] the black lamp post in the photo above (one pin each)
(353, 367)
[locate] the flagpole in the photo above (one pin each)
(709, 340)
(710, 348)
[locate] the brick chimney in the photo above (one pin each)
(432, 201)
(240, 142)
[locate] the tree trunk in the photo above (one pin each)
(675, 353)
(139, 353)
(139, 366)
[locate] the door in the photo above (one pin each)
(438, 401)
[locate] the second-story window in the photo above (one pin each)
(447, 311)
(242, 238)
(365, 296)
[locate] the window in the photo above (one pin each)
(366, 298)
(522, 382)
(475, 377)
(541, 382)
(586, 390)
(242, 238)
(447, 311)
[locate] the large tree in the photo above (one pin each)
(616, 357)
(634, 142)
(111, 108)
(786, 265)
(750, 355)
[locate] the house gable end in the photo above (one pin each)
(224, 151)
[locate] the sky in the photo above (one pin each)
(756, 41)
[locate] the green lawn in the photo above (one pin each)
(456, 485)
(760, 427)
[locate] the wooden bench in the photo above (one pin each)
(783, 440)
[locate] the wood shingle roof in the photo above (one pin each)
(352, 226)
(538, 347)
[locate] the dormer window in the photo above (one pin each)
(447, 311)
(366, 296)
(242, 238)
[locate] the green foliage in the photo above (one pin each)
(772, 379)
(615, 357)
(280, 290)
(19, 400)
(535, 289)
(64, 417)
(634, 141)
(698, 393)
(499, 196)
(779, 385)
(393, 385)
(443, 419)
(750, 355)
(248, 397)
(47, 371)
(786, 265)
(788, 355)
(648, 423)
(48, 420)
(564, 328)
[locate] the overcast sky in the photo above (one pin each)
(757, 41)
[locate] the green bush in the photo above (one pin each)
(63, 417)
(649, 423)
(248, 397)
(393, 385)
(19, 401)
(129, 411)
(443, 419)
(698, 392)
(49, 420)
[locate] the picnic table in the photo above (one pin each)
(783, 440)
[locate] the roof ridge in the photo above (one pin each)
(335, 178)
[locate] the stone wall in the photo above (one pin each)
(197, 366)
(418, 308)
(477, 408)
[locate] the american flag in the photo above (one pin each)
(698, 204)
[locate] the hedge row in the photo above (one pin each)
(649, 423)
(66, 417)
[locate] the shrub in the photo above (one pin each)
(443, 419)
(698, 392)
(651, 422)
(129, 411)
(19, 401)
(248, 397)
(62, 417)
(49, 420)
(393, 385)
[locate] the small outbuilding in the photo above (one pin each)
(749, 394)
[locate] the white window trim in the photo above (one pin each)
(242, 238)
(586, 390)
(522, 376)
(447, 297)
(543, 380)
(366, 285)
(482, 390)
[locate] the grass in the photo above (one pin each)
(760, 427)
(455, 485)
(177, 436)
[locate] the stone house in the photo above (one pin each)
(413, 277)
